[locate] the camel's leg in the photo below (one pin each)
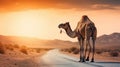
(86, 49)
(93, 41)
(82, 51)
(87, 38)
(89, 50)
(93, 49)
(79, 41)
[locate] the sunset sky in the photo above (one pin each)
(40, 18)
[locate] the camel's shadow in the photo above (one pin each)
(101, 64)
(70, 59)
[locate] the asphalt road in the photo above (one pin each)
(54, 58)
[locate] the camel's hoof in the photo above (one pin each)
(92, 60)
(83, 60)
(87, 59)
(80, 61)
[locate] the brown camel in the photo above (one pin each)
(84, 31)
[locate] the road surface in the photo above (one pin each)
(54, 58)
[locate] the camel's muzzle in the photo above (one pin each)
(59, 26)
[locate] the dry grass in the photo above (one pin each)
(23, 49)
(76, 51)
(16, 46)
(114, 53)
(38, 50)
(13, 55)
(98, 51)
(73, 50)
(9, 47)
(2, 49)
(111, 52)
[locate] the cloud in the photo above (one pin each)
(59, 4)
(102, 6)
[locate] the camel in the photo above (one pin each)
(84, 31)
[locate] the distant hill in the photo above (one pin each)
(35, 42)
(109, 41)
(112, 40)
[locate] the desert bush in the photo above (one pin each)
(9, 47)
(117, 50)
(98, 51)
(76, 51)
(62, 49)
(16, 46)
(69, 51)
(73, 49)
(66, 50)
(47, 49)
(114, 53)
(2, 49)
(38, 50)
(24, 49)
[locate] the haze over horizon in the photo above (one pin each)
(40, 18)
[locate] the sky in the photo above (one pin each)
(40, 18)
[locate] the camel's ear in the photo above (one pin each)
(67, 22)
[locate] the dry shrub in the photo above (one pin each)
(117, 50)
(98, 51)
(69, 51)
(10, 47)
(16, 46)
(62, 50)
(76, 51)
(38, 50)
(73, 49)
(114, 53)
(47, 49)
(2, 49)
(66, 50)
(24, 50)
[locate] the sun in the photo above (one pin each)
(26, 23)
(27, 28)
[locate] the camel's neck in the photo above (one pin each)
(70, 33)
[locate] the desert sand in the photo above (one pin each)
(15, 58)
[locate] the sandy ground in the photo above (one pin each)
(54, 58)
(18, 59)
(15, 58)
(102, 57)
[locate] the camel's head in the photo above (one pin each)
(64, 25)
